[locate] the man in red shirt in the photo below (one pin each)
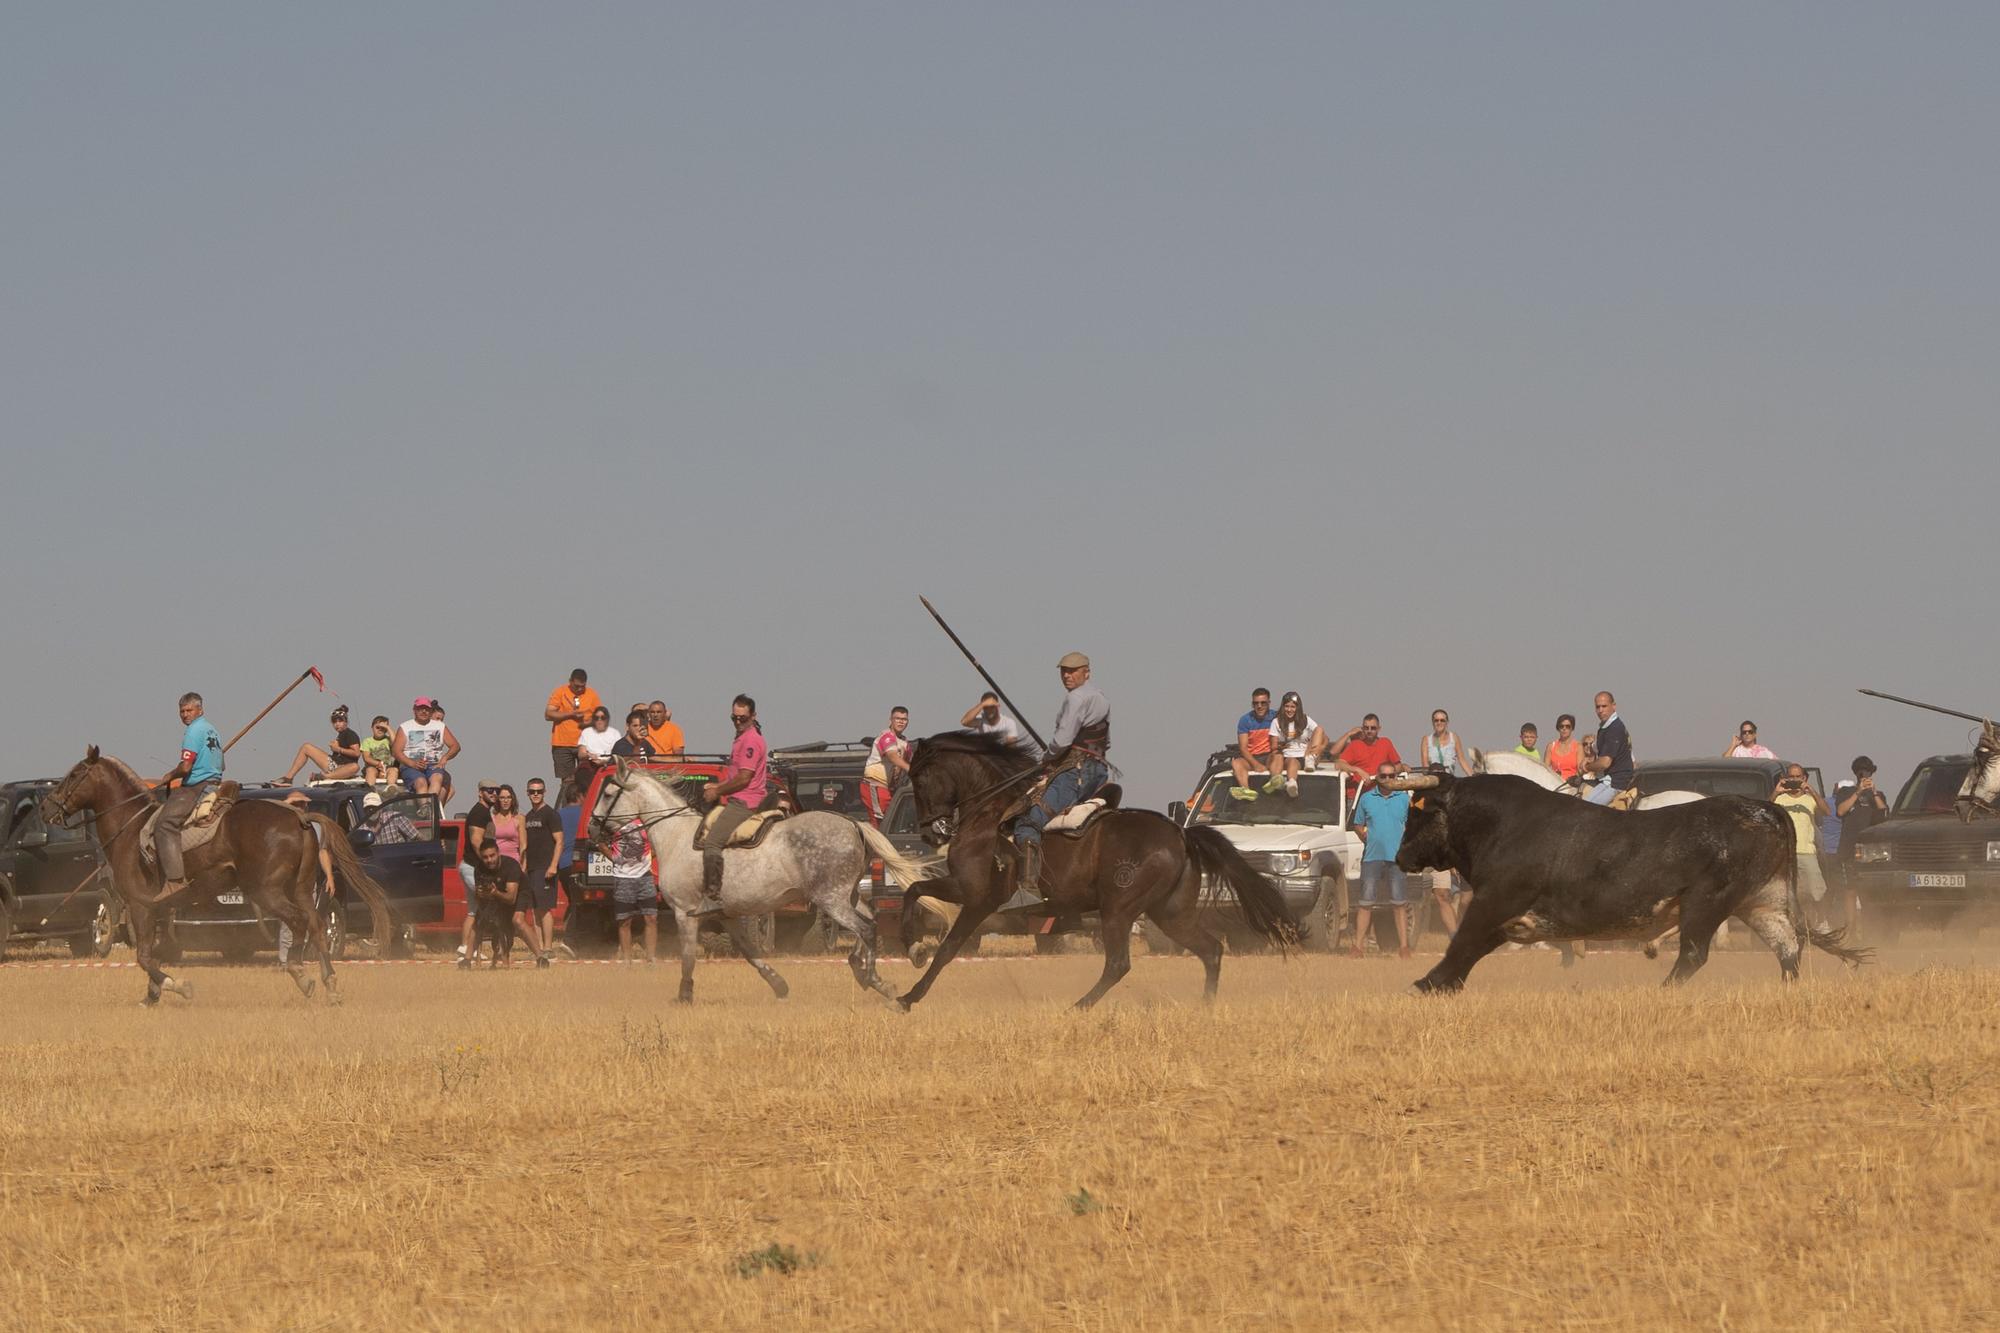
(1362, 751)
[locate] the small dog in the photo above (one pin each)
(495, 922)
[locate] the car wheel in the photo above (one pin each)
(106, 926)
(1321, 923)
(336, 931)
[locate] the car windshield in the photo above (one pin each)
(1932, 788)
(1318, 803)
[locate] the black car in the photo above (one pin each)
(1755, 778)
(1923, 866)
(825, 775)
(40, 865)
(401, 845)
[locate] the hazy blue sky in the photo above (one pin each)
(1471, 355)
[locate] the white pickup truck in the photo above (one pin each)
(1300, 843)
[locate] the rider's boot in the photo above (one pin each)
(711, 884)
(169, 889)
(1027, 880)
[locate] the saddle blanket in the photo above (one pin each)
(748, 834)
(1073, 819)
(201, 826)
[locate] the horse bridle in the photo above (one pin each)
(945, 826)
(144, 793)
(600, 825)
(1983, 759)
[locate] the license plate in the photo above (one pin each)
(1937, 881)
(600, 866)
(235, 899)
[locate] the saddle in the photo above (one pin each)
(202, 824)
(1072, 822)
(748, 834)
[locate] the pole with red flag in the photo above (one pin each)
(311, 672)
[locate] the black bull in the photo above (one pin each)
(1548, 867)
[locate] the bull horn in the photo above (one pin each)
(1475, 759)
(1409, 782)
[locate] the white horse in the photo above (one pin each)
(817, 857)
(1979, 794)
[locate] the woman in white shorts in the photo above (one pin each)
(1296, 742)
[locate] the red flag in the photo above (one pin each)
(317, 678)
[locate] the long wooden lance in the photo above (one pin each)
(983, 673)
(1948, 712)
(312, 671)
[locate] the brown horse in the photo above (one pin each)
(1124, 864)
(263, 848)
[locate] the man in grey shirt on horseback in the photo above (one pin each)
(1078, 747)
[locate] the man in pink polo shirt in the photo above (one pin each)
(742, 789)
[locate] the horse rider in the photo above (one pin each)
(745, 784)
(200, 769)
(1076, 752)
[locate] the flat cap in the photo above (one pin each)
(1072, 661)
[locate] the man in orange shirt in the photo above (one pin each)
(569, 707)
(668, 743)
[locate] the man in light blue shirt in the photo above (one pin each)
(199, 769)
(1379, 816)
(1082, 738)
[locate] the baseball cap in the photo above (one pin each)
(492, 784)
(421, 701)
(297, 798)
(1072, 661)
(371, 800)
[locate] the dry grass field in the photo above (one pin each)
(559, 1149)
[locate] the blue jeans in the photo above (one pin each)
(1064, 790)
(1376, 875)
(1601, 794)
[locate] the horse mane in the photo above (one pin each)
(124, 770)
(988, 745)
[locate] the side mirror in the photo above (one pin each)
(361, 839)
(35, 835)
(1177, 811)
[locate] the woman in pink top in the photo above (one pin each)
(1745, 745)
(508, 829)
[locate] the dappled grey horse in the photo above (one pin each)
(816, 857)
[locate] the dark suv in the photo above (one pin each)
(39, 865)
(1923, 866)
(407, 860)
(824, 775)
(1755, 778)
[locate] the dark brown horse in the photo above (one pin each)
(1124, 864)
(263, 848)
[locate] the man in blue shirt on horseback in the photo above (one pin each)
(200, 769)
(1082, 739)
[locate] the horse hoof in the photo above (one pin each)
(307, 987)
(184, 989)
(332, 997)
(902, 1004)
(779, 988)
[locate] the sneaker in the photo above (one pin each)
(1242, 794)
(1277, 781)
(464, 963)
(541, 960)
(1291, 786)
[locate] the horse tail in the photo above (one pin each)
(907, 869)
(1829, 940)
(1264, 909)
(353, 878)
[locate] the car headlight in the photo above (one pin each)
(1993, 851)
(1878, 852)
(1291, 863)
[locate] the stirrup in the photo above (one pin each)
(172, 888)
(709, 907)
